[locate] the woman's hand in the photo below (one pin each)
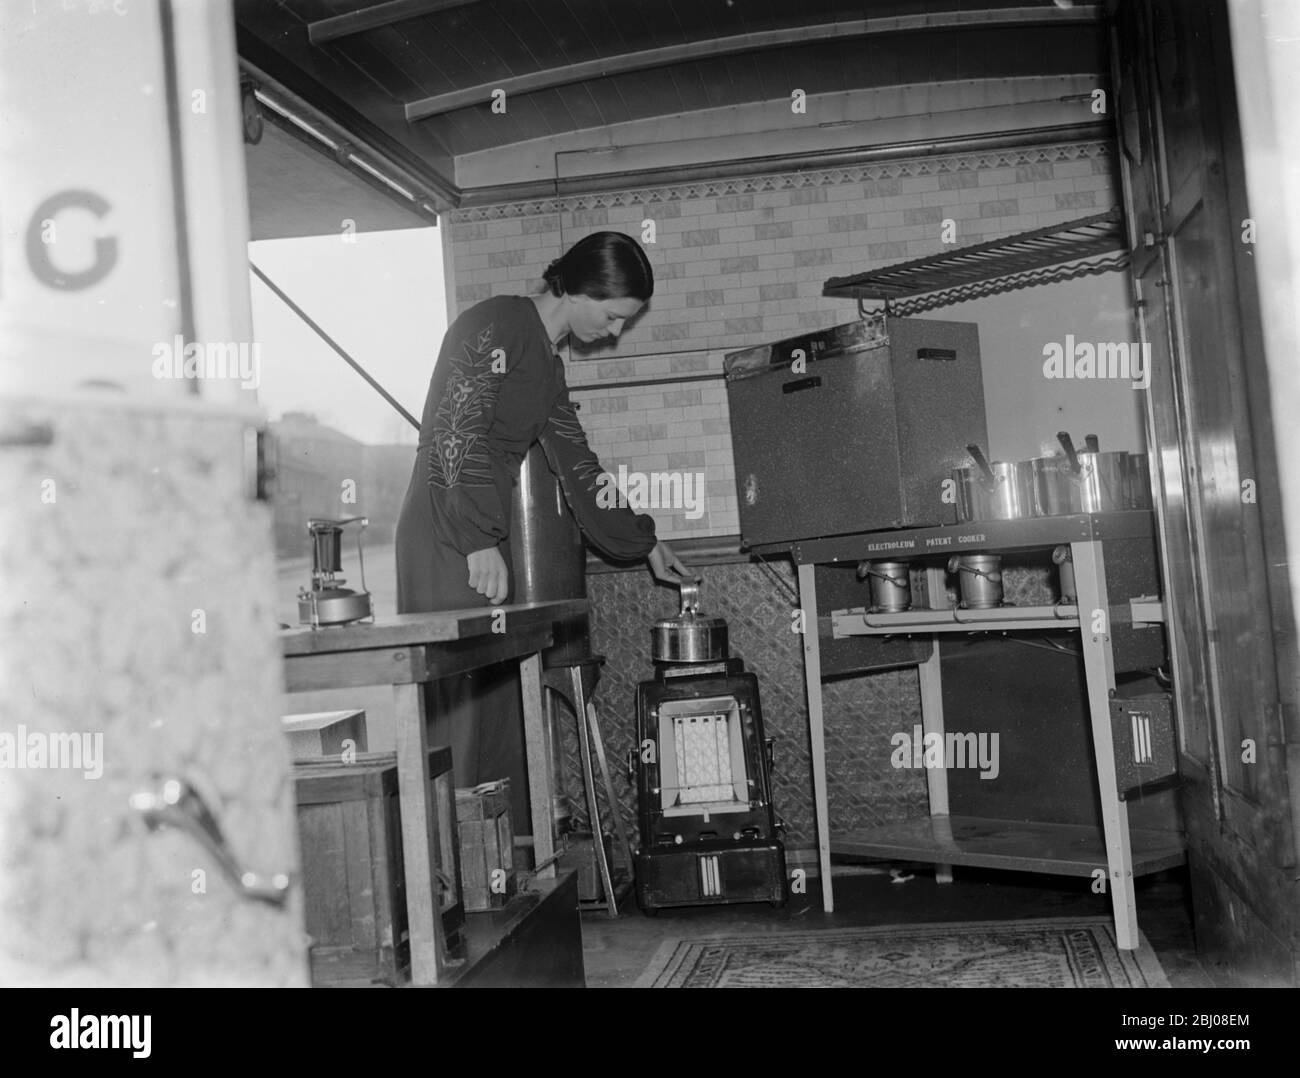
(666, 566)
(488, 574)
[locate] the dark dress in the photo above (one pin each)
(497, 388)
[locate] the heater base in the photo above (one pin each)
(711, 874)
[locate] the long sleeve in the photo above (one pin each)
(459, 413)
(613, 529)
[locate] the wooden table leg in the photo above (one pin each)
(936, 778)
(539, 769)
(812, 672)
(424, 921)
(1099, 670)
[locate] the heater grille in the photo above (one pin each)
(1144, 748)
(703, 758)
(710, 877)
(1142, 751)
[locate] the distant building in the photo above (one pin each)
(317, 465)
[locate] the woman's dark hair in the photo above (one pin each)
(604, 265)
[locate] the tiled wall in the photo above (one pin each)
(742, 261)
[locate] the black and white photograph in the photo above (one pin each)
(635, 495)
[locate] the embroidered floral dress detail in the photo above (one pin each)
(460, 455)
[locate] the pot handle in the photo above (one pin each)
(957, 565)
(1092, 442)
(989, 481)
(1068, 445)
(690, 598)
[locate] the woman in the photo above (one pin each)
(497, 388)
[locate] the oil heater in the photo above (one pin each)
(702, 767)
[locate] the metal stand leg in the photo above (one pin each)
(812, 672)
(936, 778)
(1099, 669)
(598, 742)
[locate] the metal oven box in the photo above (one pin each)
(854, 428)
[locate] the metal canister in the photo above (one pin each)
(891, 585)
(980, 577)
(548, 559)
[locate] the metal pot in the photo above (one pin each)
(891, 586)
(1087, 482)
(1003, 490)
(691, 637)
(980, 577)
(1139, 481)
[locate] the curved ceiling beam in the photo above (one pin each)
(375, 16)
(645, 59)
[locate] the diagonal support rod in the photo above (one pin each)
(333, 344)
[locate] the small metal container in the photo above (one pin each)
(891, 586)
(980, 577)
(691, 637)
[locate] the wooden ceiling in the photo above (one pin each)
(416, 77)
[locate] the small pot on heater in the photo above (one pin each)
(690, 637)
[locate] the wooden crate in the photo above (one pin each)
(579, 854)
(350, 830)
(486, 845)
(325, 733)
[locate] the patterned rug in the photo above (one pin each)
(1049, 953)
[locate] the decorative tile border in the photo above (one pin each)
(1010, 157)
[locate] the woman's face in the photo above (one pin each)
(593, 320)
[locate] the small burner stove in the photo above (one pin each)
(709, 834)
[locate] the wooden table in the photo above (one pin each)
(406, 651)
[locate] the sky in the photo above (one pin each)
(381, 298)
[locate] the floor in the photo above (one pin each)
(617, 951)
